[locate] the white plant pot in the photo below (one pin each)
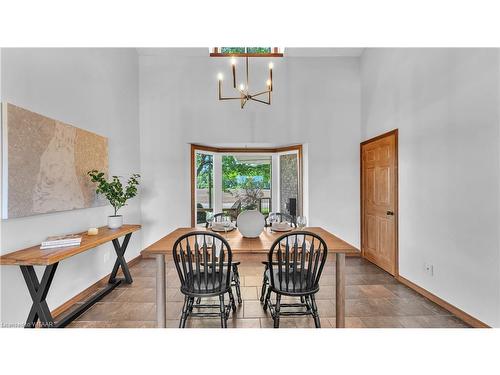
(115, 222)
(250, 223)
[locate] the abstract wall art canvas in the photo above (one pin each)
(45, 164)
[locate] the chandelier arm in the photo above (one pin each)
(261, 93)
(260, 101)
(229, 97)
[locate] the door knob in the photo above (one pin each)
(390, 213)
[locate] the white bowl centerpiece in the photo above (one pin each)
(250, 223)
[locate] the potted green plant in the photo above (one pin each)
(115, 193)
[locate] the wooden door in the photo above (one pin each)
(379, 201)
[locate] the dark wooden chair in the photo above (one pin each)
(295, 263)
(282, 217)
(235, 281)
(203, 262)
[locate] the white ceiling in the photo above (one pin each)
(289, 52)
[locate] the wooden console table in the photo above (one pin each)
(26, 259)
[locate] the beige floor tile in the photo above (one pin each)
(249, 293)
(174, 295)
(116, 311)
(376, 291)
(253, 309)
(112, 324)
(432, 321)
(253, 281)
(295, 322)
(381, 322)
(215, 323)
(407, 307)
(350, 322)
(134, 295)
(140, 282)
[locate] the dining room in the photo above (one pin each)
(335, 181)
(336, 192)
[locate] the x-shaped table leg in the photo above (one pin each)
(120, 260)
(38, 291)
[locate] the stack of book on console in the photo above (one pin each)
(61, 241)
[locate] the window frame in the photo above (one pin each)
(240, 150)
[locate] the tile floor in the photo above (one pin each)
(373, 299)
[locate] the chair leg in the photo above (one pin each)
(236, 278)
(231, 299)
(268, 297)
(307, 302)
(277, 311)
(189, 309)
(264, 285)
(317, 322)
(223, 320)
(182, 322)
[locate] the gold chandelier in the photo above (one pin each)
(243, 90)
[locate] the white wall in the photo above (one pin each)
(445, 103)
(93, 89)
(316, 101)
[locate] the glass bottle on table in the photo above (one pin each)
(273, 218)
(301, 222)
(227, 224)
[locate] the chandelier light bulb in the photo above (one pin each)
(268, 82)
(233, 61)
(271, 65)
(220, 76)
(242, 86)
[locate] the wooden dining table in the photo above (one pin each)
(240, 244)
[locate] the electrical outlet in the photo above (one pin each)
(429, 268)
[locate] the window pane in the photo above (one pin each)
(229, 50)
(204, 187)
(246, 183)
(258, 49)
(289, 184)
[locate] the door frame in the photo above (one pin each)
(396, 203)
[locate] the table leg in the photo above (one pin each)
(160, 291)
(120, 260)
(340, 290)
(38, 291)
